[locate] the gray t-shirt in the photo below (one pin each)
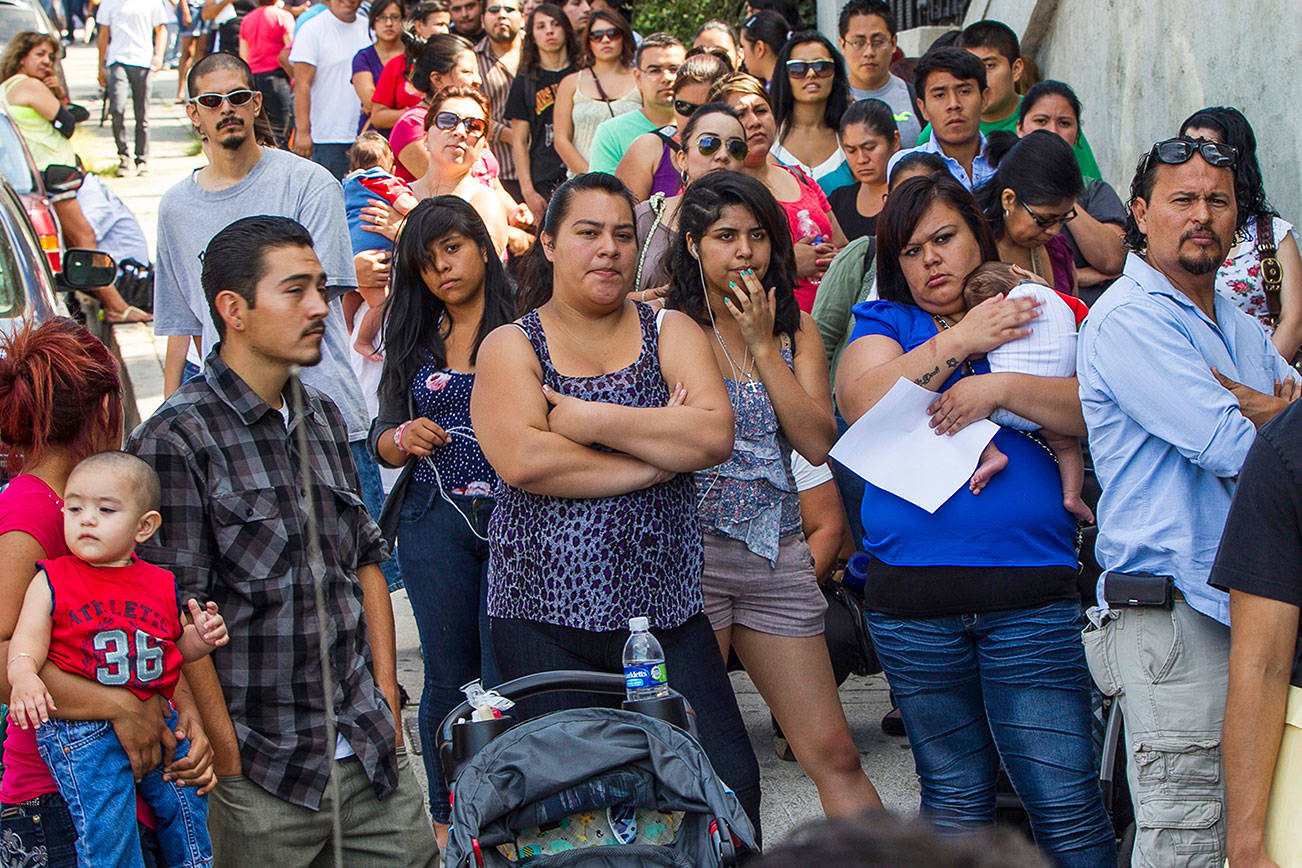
(896, 95)
(282, 184)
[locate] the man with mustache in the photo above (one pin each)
(253, 465)
(243, 178)
(1174, 382)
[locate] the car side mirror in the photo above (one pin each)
(86, 269)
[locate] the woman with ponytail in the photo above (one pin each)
(594, 412)
(61, 401)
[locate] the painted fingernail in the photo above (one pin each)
(732, 285)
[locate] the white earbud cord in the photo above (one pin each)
(467, 433)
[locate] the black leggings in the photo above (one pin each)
(695, 670)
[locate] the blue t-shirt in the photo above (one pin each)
(1018, 519)
(360, 187)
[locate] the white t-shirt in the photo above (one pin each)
(329, 44)
(806, 475)
(1048, 351)
(131, 26)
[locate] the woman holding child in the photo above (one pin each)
(60, 401)
(973, 609)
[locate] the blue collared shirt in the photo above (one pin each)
(1167, 439)
(982, 171)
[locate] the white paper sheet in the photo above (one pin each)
(893, 447)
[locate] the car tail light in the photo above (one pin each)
(47, 228)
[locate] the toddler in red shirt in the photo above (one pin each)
(104, 614)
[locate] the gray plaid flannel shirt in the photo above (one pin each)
(233, 532)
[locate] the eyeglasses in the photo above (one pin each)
(448, 121)
(709, 145)
(1049, 222)
(685, 108)
(610, 35)
(388, 19)
(214, 100)
(801, 68)
(877, 43)
(1173, 152)
(502, 10)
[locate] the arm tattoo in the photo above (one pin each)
(951, 363)
(926, 378)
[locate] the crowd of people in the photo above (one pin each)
(554, 324)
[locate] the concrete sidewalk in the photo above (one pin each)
(789, 796)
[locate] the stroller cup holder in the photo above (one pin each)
(460, 738)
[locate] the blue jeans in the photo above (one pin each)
(94, 777)
(446, 571)
(973, 689)
(40, 831)
(368, 475)
(333, 156)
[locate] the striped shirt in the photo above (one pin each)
(234, 532)
(497, 78)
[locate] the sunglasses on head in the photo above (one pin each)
(1049, 222)
(1174, 152)
(611, 34)
(709, 145)
(801, 68)
(448, 121)
(214, 100)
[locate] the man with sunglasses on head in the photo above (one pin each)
(952, 92)
(498, 56)
(1174, 382)
(655, 65)
(868, 42)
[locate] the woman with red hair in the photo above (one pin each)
(60, 401)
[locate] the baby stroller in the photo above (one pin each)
(600, 787)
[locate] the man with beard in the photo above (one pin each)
(468, 18)
(498, 57)
(242, 179)
(1174, 382)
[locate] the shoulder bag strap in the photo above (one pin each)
(600, 90)
(658, 208)
(1272, 275)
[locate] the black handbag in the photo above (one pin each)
(388, 518)
(848, 642)
(136, 284)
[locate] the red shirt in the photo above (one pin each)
(393, 89)
(265, 29)
(116, 625)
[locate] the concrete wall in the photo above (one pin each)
(1142, 68)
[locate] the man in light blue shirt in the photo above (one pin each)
(952, 92)
(1174, 381)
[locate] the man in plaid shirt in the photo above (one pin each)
(225, 446)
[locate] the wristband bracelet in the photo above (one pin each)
(397, 437)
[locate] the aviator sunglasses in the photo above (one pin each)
(708, 145)
(448, 121)
(214, 100)
(1173, 152)
(801, 68)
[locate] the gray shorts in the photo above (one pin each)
(740, 587)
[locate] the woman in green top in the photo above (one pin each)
(33, 96)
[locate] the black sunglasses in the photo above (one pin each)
(1049, 222)
(498, 10)
(1173, 152)
(448, 121)
(801, 68)
(612, 34)
(709, 145)
(685, 108)
(214, 100)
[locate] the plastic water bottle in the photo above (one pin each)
(806, 227)
(645, 674)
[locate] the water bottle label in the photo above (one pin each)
(642, 676)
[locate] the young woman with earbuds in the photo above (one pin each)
(734, 273)
(449, 292)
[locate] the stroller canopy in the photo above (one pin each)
(584, 759)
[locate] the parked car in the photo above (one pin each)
(19, 169)
(19, 15)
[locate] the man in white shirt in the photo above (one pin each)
(132, 40)
(326, 107)
(868, 42)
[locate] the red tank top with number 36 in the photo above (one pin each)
(116, 625)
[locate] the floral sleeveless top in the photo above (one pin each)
(593, 563)
(752, 496)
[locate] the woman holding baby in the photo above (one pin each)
(973, 609)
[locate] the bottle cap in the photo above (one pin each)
(640, 624)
